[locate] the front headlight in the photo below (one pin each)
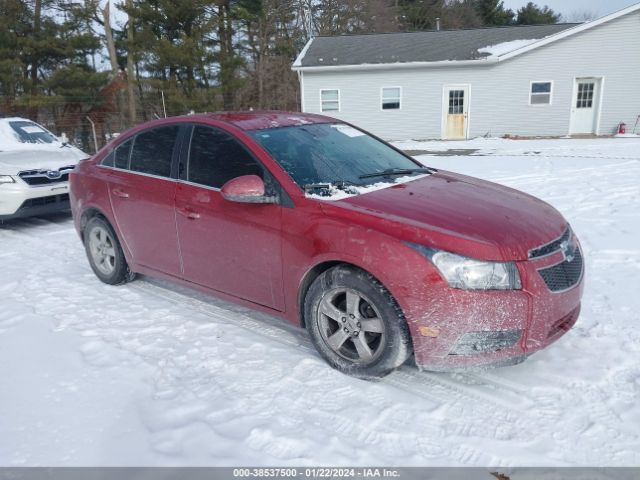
(470, 274)
(6, 179)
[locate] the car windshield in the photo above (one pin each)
(30, 132)
(335, 154)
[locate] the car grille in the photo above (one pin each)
(564, 275)
(37, 178)
(550, 247)
(41, 201)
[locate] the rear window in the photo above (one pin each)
(30, 132)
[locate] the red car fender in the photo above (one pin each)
(399, 268)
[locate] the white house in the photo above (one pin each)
(544, 80)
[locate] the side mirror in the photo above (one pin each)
(246, 189)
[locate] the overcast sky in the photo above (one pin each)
(567, 7)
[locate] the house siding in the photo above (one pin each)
(499, 103)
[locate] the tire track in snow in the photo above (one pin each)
(440, 390)
(507, 395)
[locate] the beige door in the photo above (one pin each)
(456, 111)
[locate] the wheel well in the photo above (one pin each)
(87, 215)
(309, 278)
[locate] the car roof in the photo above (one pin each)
(267, 119)
(15, 119)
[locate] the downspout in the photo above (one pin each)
(301, 80)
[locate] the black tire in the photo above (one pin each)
(378, 320)
(114, 269)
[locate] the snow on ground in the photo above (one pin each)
(153, 374)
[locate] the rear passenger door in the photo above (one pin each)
(142, 192)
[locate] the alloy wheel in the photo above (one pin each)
(351, 325)
(102, 250)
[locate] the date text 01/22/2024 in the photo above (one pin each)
(315, 473)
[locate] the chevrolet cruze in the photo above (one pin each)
(379, 257)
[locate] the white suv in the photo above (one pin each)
(34, 169)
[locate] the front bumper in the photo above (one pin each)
(20, 200)
(444, 322)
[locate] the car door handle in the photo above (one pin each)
(190, 214)
(119, 193)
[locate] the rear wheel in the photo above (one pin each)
(104, 253)
(355, 323)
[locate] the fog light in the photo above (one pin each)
(482, 342)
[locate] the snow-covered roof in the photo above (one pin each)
(436, 48)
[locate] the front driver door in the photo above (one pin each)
(234, 248)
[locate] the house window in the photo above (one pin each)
(391, 98)
(585, 95)
(330, 100)
(540, 93)
(456, 102)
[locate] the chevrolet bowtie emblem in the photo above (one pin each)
(568, 251)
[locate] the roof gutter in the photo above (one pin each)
(398, 65)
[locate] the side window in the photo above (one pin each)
(122, 155)
(391, 97)
(108, 160)
(119, 157)
(215, 157)
(153, 149)
(330, 100)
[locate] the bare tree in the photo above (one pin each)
(130, 84)
(580, 16)
(108, 34)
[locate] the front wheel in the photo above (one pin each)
(355, 323)
(105, 253)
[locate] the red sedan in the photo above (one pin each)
(312, 219)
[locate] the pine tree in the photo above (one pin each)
(493, 13)
(531, 14)
(420, 14)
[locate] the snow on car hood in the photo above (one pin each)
(335, 193)
(40, 158)
(493, 221)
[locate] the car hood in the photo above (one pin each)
(13, 162)
(485, 220)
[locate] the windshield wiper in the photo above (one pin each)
(339, 184)
(316, 186)
(391, 172)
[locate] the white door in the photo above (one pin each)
(455, 112)
(585, 107)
